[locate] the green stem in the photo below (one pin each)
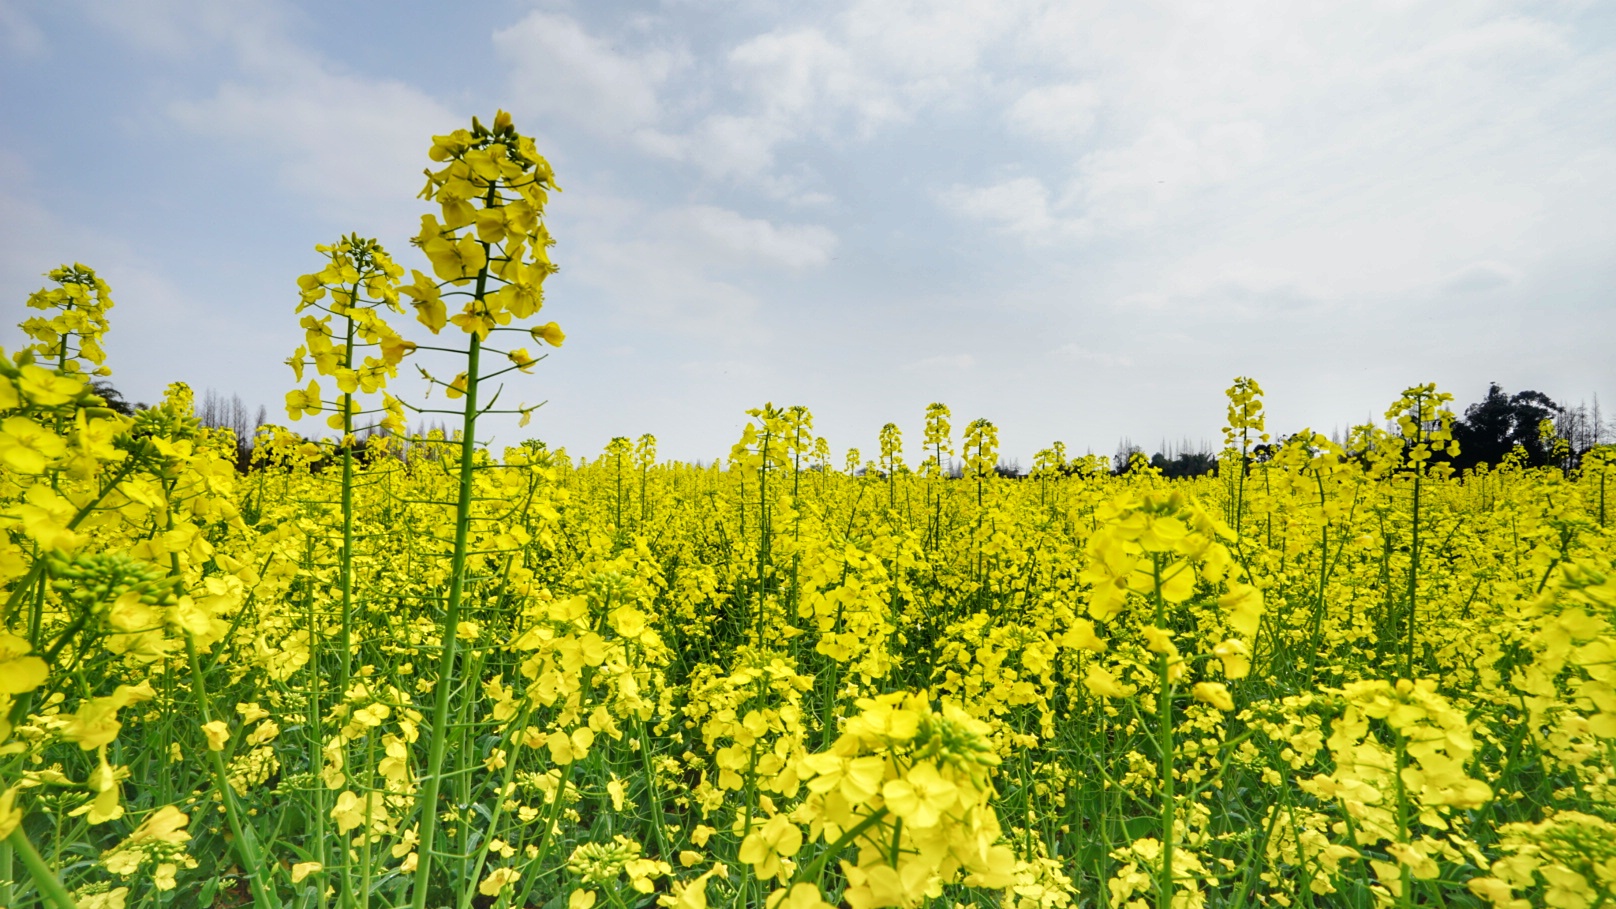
(316, 752)
(546, 838)
(345, 640)
(44, 878)
(1164, 710)
(451, 618)
(246, 839)
(505, 742)
(1405, 899)
(653, 794)
(1252, 857)
(1413, 578)
(815, 869)
(366, 864)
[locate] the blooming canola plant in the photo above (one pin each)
(387, 669)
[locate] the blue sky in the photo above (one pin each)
(1079, 220)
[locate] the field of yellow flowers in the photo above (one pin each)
(385, 670)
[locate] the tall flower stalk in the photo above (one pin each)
(1246, 419)
(352, 344)
(359, 278)
(1426, 426)
(938, 442)
(491, 191)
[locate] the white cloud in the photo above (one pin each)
(1227, 292)
(777, 87)
(1125, 188)
(353, 146)
(756, 240)
(1272, 119)
(1485, 45)
(350, 144)
(794, 72)
(651, 286)
(1019, 207)
(727, 370)
(868, 69)
(791, 84)
(699, 272)
(1077, 353)
(810, 199)
(930, 45)
(1058, 113)
(559, 69)
(728, 145)
(1480, 277)
(353, 142)
(941, 363)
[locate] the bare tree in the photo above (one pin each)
(1185, 458)
(1121, 461)
(1578, 427)
(216, 412)
(1584, 427)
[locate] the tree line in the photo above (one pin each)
(1529, 423)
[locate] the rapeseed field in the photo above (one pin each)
(388, 669)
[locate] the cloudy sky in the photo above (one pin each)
(1080, 220)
